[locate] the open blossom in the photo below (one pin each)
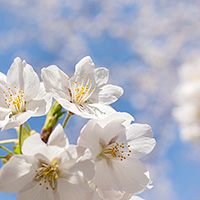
(22, 95)
(116, 149)
(86, 92)
(47, 171)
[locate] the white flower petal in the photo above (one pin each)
(109, 94)
(4, 116)
(15, 174)
(139, 130)
(139, 137)
(103, 178)
(84, 163)
(48, 153)
(129, 175)
(3, 77)
(111, 194)
(56, 82)
(3, 87)
(85, 133)
(17, 120)
(58, 137)
(96, 111)
(38, 192)
(31, 82)
(74, 188)
(38, 107)
(41, 104)
(110, 132)
(126, 117)
(141, 147)
(15, 74)
(101, 76)
(85, 68)
(136, 198)
(32, 144)
(90, 139)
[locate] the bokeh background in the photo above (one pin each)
(143, 43)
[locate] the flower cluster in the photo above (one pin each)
(187, 95)
(104, 165)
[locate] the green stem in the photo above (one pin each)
(29, 129)
(69, 114)
(5, 149)
(2, 157)
(20, 138)
(8, 141)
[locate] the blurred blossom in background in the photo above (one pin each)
(152, 49)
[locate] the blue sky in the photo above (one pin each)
(142, 45)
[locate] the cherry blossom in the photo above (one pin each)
(86, 92)
(22, 95)
(47, 171)
(116, 150)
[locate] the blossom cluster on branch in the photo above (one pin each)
(104, 165)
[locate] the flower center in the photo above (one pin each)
(47, 174)
(81, 90)
(115, 150)
(15, 101)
